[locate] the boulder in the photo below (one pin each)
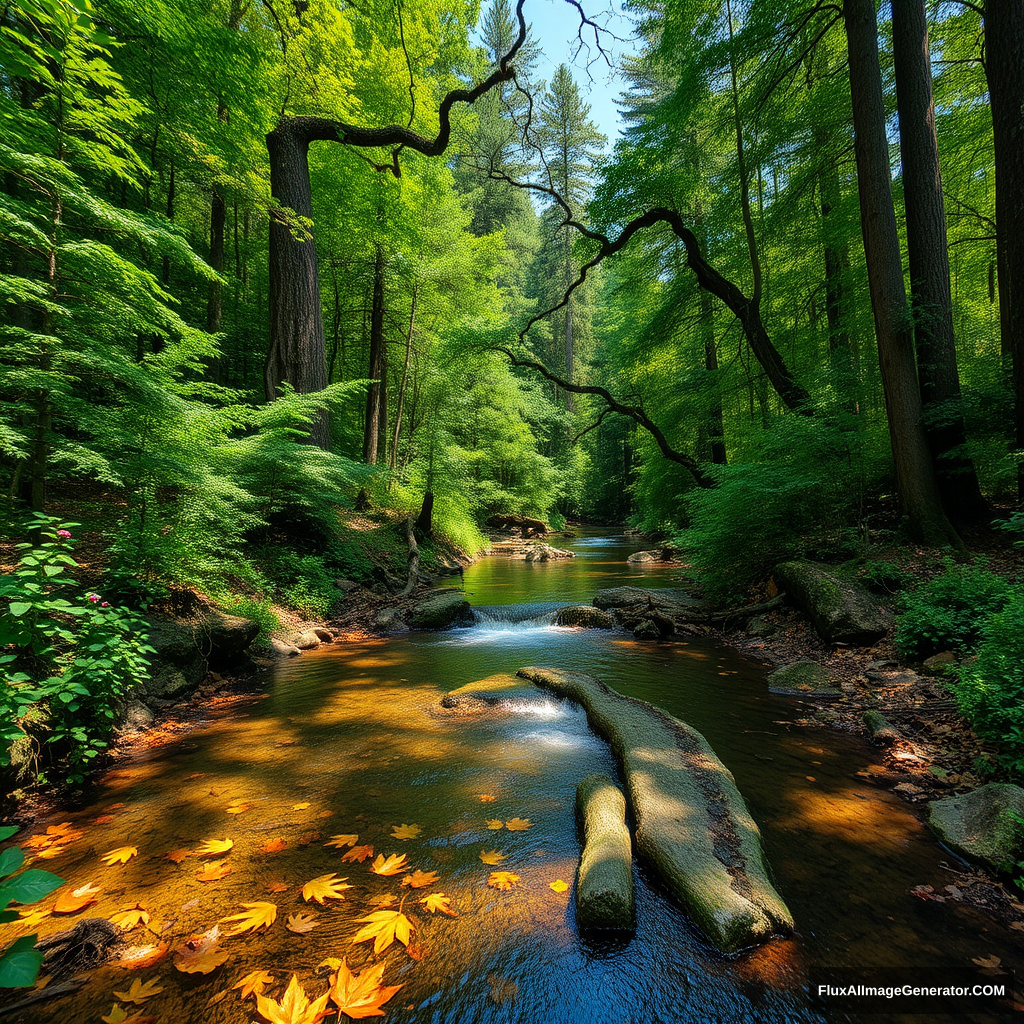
(346, 586)
(646, 629)
(879, 727)
(982, 825)
(306, 640)
(441, 610)
(668, 600)
(501, 689)
(802, 679)
(224, 637)
(693, 829)
(135, 718)
(546, 553)
(604, 885)
(585, 616)
(937, 664)
(325, 636)
(390, 620)
(761, 625)
(282, 649)
(840, 610)
(666, 556)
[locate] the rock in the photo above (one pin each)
(346, 586)
(546, 553)
(937, 664)
(525, 525)
(136, 718)
(224, 637)
(497, 691)
(390, 620)
(802, 679)
(647, 630)
(665, 556)
(325, 636)
(693, 829)
(168, 682)
(761, 625)
(585, 616)
(841, 610)
(282, 649)
(980, 825)
(604, 885)
(441, 611)
(879, 727)
(307, 640)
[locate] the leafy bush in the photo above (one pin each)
(74, 656)
(885, 577)
(949, 611)
(255, 610)
(990, 689)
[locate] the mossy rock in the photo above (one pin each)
(803, 679)
(879, 727)
(693, 829)
(448, 608)
(604, 885)
(501, 688)
(585, 616)
(982, 825)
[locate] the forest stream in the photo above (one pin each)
(349, 741)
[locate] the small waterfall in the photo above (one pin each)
(516, 617)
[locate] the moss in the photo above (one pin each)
(604, 886)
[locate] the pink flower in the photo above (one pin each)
(93, 597)
(64, 534)
(105, 604)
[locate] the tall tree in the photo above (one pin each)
(915, 475)
(928, 251)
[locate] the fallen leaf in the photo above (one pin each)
(213, 871)
(486, 798)
(502, 880)
(139, 958)
(177, 855)
(50, 852)
(217, 997)
(559, 886)
(121, 855)
(393, 864)
(331, 962)
(201, 954)
(131, 917)
(358, 854)
(294, 1008)
(103, 819)
(276, 886)
(300, 806)
(420, 879)
(810, 778)
(518, 824)
(324, 887)
(240, 808)
(406, 831)
(502, 990)
(308, 838)
(252, 918)
(495, 823)
(214, 847)
(30, 918)
(140, 991)
(384, 926)
(387, 899)
(76, 900)
(254, 983)
(273, 846)
(300, 923)
(360, 995)
(492, 856)
(437, 901)
(118, 1015)
(989, 964)
(340, 841)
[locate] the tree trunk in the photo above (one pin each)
(425, 520)
(915, 475)
(297, 352)
(927, 248)
(715, 422)
(371, 426)
(1004, 47)
(570, 355)
(405, 377)
(215, 299)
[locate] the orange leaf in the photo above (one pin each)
(486, 798)
(140, 991)
(295, 1007)
(76, 900)
(324, 887)
(502, 880)
(340, 841)
(300, 806)
(240, 808)
(393, 864)
(518, 824)
(360, 995)
(406, 831)
(139, 958)
(492, 857)
(559, 886)
(358, 854)
(276, 886)
(438, 901)
(420, 879)
(121, 855)
(131, 917)
(273, 846)
(177, 855)
(213, 871)
(201, 954)
(495, 823)
(254, 983)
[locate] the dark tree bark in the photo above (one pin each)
(425, 520)
(215, 298)
(715, 423)
(1004, 48)
(927, 248)
(570, 354)
(393, 459)
(372, 421)
(915, 475)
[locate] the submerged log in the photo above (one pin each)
(604, 887)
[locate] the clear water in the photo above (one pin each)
(354, 731)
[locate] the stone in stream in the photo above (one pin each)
(982, 825)
(500, 691)
(803, 679)
(693, 829)
(441, 610)
(880, 728)
(585, 616)
(604, 886)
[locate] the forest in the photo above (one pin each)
(303, 293)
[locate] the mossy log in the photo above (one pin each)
(604, 886)
(693, 829)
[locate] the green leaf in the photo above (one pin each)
(53, 570)
(30, 886)
(20, 963)
(19, 607)
(6, 831)
(10, 860)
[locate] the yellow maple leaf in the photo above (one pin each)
(214, 847)
(518, 824)
(140, 991)
(502, 880)
(253, 983)
(559, 886)
(300, 923)
(177, 855)
(360, 995)
(384, 926)
(324, 887)
(386, 899)
(486, 798)
(121, 855)
(118, 1015)
(300, 806)
(340, 841)
(438, 901)
(76, 900)
(492, 857)
(253, 917)
(295, 1006)
(358, 854)
(213, 871)
(420, 879)
(406, 831)
(130, 917)
(240, 808)
(201, 954)
(495, 823)
(50, 852)
(393, 864)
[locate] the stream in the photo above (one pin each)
(348, 740)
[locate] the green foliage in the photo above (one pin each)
(74, 656)
(256, 610)
(949, 611)
(20, 961)
(990, 688)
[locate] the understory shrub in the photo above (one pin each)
(990, 688)
(949, 611)
(256, 610)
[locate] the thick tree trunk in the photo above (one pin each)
(1004, 47)
(297, 354)
(425, 520)
(927, 248)
(372, 422)
(915, 476)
